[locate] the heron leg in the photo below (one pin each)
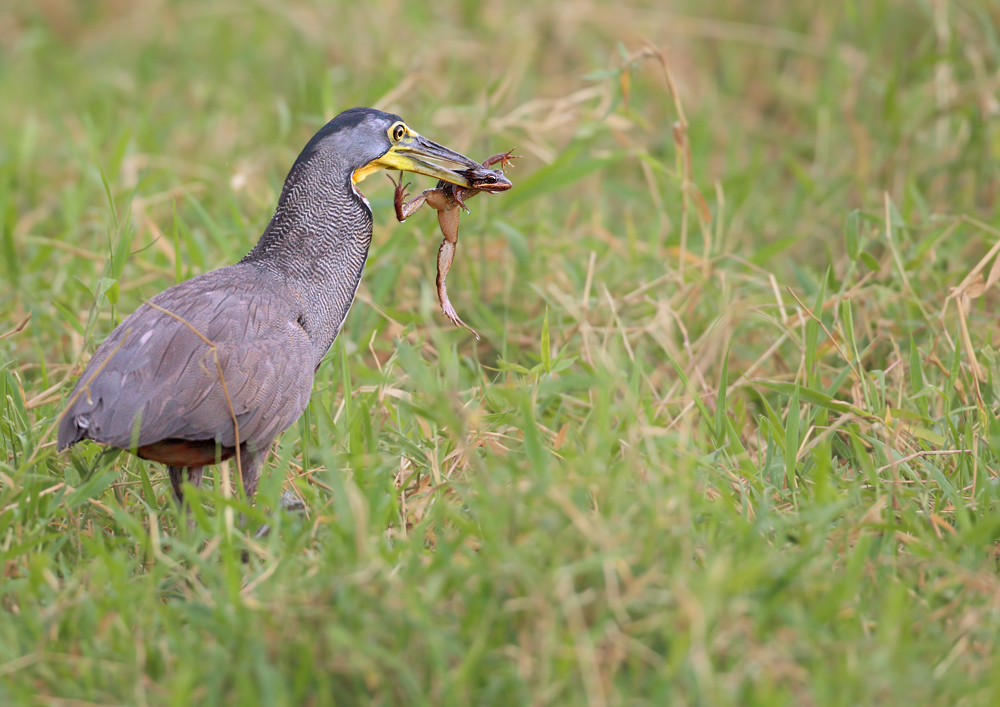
(252, 465)
(253, 462)
(194, 474)
(288, 502)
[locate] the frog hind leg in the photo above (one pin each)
(448, 219)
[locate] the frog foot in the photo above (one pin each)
(399, 199)
(452, 315)
(457, 195)
(503, 159)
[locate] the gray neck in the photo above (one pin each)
(317, 242)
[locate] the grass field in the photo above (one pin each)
(732, 433)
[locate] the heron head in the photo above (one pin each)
(371, 140)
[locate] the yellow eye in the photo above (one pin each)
(398, 131)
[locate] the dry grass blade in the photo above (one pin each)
(19, 328)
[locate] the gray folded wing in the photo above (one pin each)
(154, 378)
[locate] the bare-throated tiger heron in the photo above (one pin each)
(154, 385)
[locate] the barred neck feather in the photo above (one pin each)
(317, 242)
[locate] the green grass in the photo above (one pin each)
(723, 441)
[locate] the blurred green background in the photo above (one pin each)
(731, 434)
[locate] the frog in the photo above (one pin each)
(449, 201)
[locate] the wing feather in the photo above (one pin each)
(154, 379)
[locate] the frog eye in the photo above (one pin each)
(398, 131)
(491, 179)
